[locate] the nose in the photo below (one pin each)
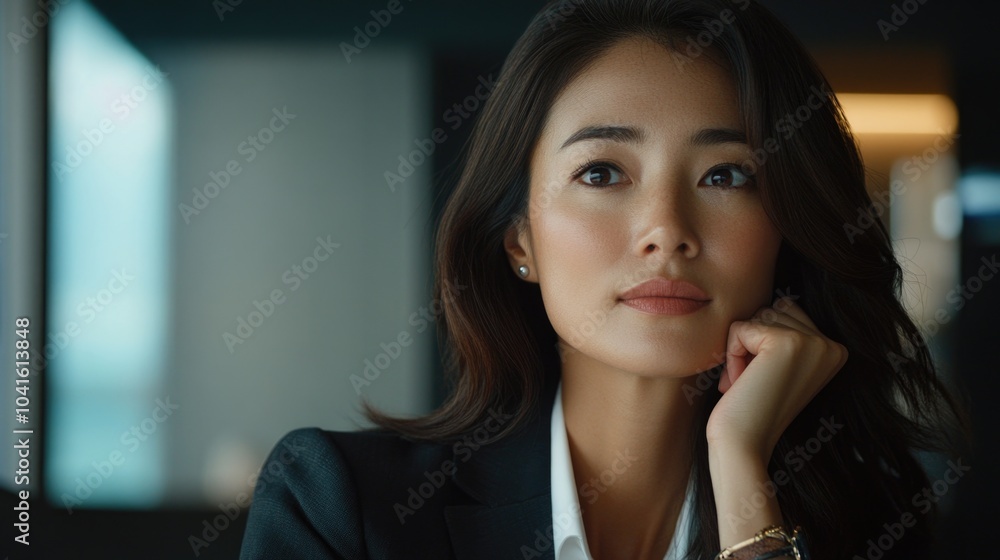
(668, 222)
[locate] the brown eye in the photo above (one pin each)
(599, 174)
(726, 176)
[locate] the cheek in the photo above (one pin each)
(572, 238)
(577, 251)
(750, 248)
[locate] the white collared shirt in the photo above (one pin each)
(568, 536)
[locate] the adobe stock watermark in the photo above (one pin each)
(795, 460)
(898, 17)
(223, 7)
(558, 13)
(709, 378)
(363, 36)
(123, 106)
(457, 114)
(293, 276)
(698, 44)
(31, 26)
(595, 318)
(958, 296)
(463, 450)
(787, 126)
(420, 320)
(87, 311)
(923, 501)
(249, 149)
(131, 439)
(592, 490)
(882, 201)
(270, 473)
(597, 485)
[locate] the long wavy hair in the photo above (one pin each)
(498, 344)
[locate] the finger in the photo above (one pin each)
(773, 316)
(788, 307)
(726, 382)
(794, 312)
(744, 339)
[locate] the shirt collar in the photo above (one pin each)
(568, 536)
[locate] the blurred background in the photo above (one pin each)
(217, 216)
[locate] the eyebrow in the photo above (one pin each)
(633, 135)
(713, 136)
(622, 134)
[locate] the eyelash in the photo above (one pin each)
(601, 163)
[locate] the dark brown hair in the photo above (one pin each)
(499, 346)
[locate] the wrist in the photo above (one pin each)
(743, 500)
(773, 541)
(738, 452)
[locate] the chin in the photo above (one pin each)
(654, 367)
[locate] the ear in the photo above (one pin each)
(517, 244)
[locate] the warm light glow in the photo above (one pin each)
(871, 113)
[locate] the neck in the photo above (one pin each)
(630, 440)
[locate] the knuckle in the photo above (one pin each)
(839, 353)
(796, 341)
(844, 353)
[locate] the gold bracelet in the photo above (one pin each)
(771, 539)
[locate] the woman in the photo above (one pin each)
(668, 336)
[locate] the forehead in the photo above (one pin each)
(639, 82)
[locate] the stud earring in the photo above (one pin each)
(523, 271)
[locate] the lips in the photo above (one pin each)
(663, 288)
(665, 305)
(661, 296)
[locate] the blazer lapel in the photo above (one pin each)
(511, 480)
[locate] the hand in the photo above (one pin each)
(791, 362)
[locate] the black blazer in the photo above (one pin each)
(372, 495)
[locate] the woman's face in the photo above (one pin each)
(660, 202)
